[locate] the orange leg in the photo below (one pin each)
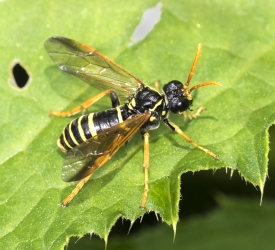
(188, 139)
(193, 116)
(82, 106)
(157, 85)
(76, 190)
(146, 166)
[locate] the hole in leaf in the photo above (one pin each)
(20, 76)
(149, 19)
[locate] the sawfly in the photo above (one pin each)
(92, 139)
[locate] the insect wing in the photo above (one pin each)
(91, 66)
(84, 159)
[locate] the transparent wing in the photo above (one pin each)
(91, 66)
(92, 154)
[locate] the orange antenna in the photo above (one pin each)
(197, 57)
(201, 85)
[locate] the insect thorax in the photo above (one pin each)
(147, 100)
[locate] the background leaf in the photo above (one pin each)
(238, 49)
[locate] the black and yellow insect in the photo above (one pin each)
(92, 139)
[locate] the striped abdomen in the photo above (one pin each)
(87, 126)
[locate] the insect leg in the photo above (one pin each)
(87, 104)
(193, 116)
(157, 85)
(114, 99)
(146, 166)
(175, 128)
(76, 190)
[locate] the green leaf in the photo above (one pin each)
(238, 48)
(226, 227)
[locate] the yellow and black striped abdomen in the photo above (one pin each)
(86, 126)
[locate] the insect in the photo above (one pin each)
(92, 139)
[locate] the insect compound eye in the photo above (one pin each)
(179, 104)
(176, 100)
